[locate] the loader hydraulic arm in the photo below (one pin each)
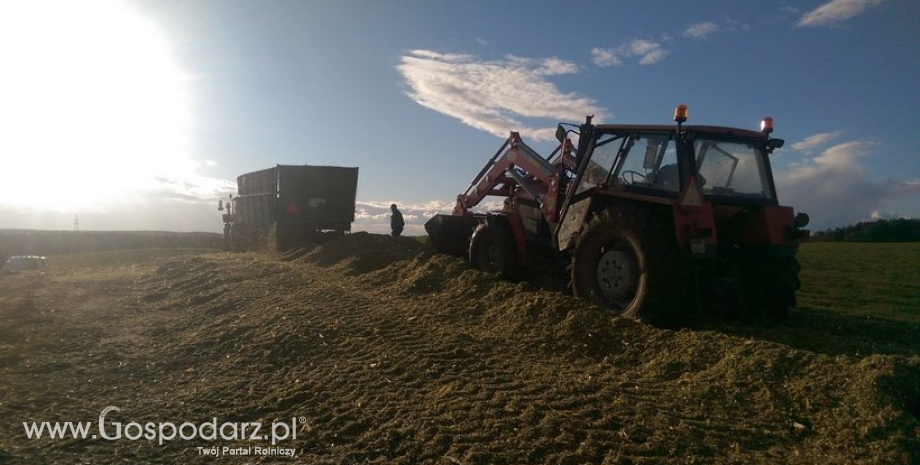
(515, 165)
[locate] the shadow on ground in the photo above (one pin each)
(829, 332)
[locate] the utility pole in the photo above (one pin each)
(76, 223)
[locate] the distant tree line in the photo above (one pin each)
(899, 230)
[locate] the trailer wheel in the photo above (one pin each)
(627, 258)
(492, 249)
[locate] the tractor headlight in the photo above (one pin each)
(801, 220)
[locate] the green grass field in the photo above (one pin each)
(856, 299)
(866, 280)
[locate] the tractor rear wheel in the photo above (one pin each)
(779, 280)
(627, 258)
(492, 248)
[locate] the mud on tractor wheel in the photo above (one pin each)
(492, 248)
(627, 258)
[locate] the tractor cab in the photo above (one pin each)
(714, 181)
(729, 165)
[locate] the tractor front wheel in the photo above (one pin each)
(627, 258)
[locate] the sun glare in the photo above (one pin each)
(92, 106)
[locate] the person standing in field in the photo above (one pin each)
(396, 221)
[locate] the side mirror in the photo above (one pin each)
(560, 134)
(774, 144)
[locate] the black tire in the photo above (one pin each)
(492, 248)
(627, 258)
(779, 278)
(282, 238)
(242, 238)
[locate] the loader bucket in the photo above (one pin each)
(450, 234)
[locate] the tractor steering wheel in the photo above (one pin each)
(632, 176)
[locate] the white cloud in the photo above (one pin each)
(841, 158)
(649, 51)
(192, 189)
(835, 12)
(495, 95)
(604, 58)
(833, 187)
(883, 215)
(553, 66)
(653, 57)
(733, 25)
(701, 30)
(815, 141)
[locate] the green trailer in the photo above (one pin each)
(290, 205)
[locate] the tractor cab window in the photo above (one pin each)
(650, 162)
(731, 168)
(601, 163)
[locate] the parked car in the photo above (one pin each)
(24, 263)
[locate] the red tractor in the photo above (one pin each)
(647, 219)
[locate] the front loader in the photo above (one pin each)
(646, 219)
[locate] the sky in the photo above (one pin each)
(139, 114)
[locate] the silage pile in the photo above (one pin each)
(397, 354)
(362, 252)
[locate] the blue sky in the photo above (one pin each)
(138, 114)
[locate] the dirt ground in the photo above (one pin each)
(391, 354)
